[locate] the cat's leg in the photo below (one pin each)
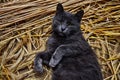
(56, 57)
(68, 50)
(44, 57)
(40, 59)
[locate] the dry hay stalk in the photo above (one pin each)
(26, 24)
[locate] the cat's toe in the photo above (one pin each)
(38, 66)
(38, 69)
(53, 62)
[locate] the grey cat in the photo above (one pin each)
(67, 52)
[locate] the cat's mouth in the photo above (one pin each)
(61, 34)
(64, 32)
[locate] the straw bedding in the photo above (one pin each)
(25, 25)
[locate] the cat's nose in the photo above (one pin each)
(62, 28)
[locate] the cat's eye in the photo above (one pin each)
(56, 22)
(69, 23)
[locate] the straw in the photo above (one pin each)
(25, 26)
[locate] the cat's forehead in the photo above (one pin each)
(65, 16)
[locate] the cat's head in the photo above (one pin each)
(66, 24)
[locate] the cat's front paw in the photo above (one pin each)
(55, 59)
(52, 62)
(38, 65)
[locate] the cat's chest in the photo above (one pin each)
(62, 41)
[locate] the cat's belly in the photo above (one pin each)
(70, 64)
(75, 69)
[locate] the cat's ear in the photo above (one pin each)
(79, 15)
(59, 8)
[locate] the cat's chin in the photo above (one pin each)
(65, 34)
(62, 34)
